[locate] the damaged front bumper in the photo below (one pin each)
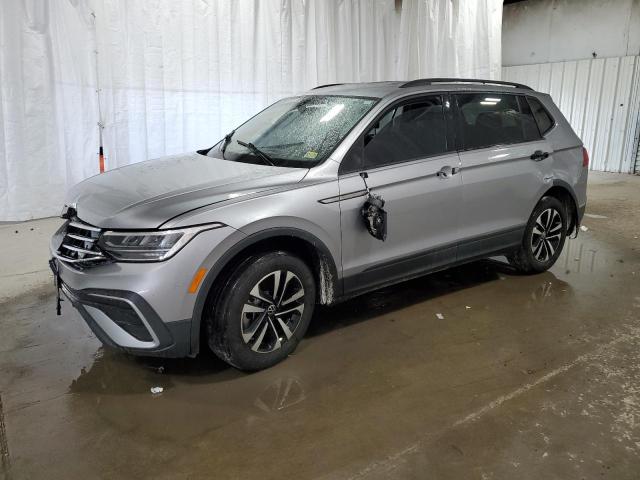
(144, 308)
(124, 320)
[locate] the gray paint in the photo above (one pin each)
(423, 212)
(482, 207)
(147, 194)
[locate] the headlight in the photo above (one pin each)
(149, 246)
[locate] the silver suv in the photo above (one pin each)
(317, 198)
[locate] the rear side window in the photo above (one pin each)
(544, 120)
(487, 119)
(408, 131)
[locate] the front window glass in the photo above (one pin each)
(296, 132)
(409, 131)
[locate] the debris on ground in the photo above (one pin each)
(584, 228)
(157, 390)
(467, 307)
(593, 215)
(440, 316)
(160, 369)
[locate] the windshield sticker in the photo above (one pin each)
(311, 154)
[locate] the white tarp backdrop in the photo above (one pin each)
(449, 38)
(175, 76)
(48, 108)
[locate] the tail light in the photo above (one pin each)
(585, 157)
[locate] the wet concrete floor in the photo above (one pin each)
(524, 377)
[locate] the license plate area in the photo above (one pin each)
(53, 265)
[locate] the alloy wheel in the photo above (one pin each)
(273, 311)
(546, 234)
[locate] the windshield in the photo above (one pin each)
(294, 132)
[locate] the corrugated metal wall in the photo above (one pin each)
(601, 99)
(637, 142)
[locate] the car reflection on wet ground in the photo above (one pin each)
(474, 372)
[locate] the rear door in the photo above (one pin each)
(505, 165)
(412, 163)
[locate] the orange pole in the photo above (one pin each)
(101, 160)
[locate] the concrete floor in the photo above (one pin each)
(524, 377)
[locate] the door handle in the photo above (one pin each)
(539, 155)
(447, 171)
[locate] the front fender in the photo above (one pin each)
(236, 249)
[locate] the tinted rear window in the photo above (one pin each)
(487, 119)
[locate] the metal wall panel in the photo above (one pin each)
(600, 98)
(637, 147)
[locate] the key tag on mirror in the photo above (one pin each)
(373, 213)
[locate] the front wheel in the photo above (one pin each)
(543, 239)
(263, 311)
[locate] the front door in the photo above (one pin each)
(413, 167)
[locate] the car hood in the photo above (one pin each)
(147, 194)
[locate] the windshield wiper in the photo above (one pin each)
(227, 139)
(257, 151)
(283, 145)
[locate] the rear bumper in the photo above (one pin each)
(125, 321)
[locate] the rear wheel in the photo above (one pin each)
(543, 238)
(263, 311)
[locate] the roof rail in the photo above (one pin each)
(431, 81)
(327, 85)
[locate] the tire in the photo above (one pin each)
(250, 327)
(543, 237)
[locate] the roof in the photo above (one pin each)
(393, 88)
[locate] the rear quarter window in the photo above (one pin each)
(543, 118)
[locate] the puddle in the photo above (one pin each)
(373, 374)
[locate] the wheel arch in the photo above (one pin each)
(563, 192)
(299, 242)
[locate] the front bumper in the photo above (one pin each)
(125, 321)
(144, 308)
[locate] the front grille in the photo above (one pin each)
(79, 244)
